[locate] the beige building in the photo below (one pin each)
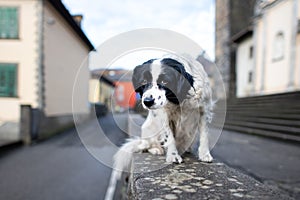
(263, 58)
(101, 89)
(42, 48)
(244, 63)
(268, 54)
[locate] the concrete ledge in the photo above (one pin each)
(193, 180)
(152, 178)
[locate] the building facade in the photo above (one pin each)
(101, 89)
(113, 87)
(232, 16)
(274, 48)
(264, 69)
(42, 48)
(244, 63)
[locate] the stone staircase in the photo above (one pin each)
(276, 116)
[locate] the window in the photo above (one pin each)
(278, 47)
(8, 80)
(250, 77)
(9, 25)
(251, 52)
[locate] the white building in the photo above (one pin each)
(268, 54)
(42, 48)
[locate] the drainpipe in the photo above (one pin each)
(40, 70)
(37, 113)
(294, 20)
(264, 53)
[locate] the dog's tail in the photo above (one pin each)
(123, 157)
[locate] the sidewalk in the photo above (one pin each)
(9, 133)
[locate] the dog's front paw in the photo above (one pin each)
(206, 158)
(174, 157)
(144, 144)
(156, 151)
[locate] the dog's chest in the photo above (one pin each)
(183, 123)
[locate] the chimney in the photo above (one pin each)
(78, 19)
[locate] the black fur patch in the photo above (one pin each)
(172, 125)
(142, 78)
(179, 81)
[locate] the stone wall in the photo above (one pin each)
(232, 16)
(35, 125)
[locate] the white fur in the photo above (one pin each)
(155, 70)
(158, 95)
(123, 157)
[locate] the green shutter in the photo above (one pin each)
(2, 81)
(8, 81)
(9, 26)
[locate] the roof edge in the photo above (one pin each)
(245, 33)
(59, 6)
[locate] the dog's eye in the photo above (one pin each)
(144, 82)
(164, 82)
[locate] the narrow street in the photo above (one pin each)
(59, 168)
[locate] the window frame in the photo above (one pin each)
(275, 55)
(18, 23)
(16, 81)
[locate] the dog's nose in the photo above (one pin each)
(149, 101)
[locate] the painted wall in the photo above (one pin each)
(297, 70)
(277, 71)
(94, 88)
(259, 51)
(105, 94)
(24, 52)
(297, 49)
(244, 66)
(273, 75)
(64, 55)
(101, 92)
(125, 95)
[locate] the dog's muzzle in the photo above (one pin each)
(149, 101)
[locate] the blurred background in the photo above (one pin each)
(43, 43)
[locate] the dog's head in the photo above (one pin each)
(160, 81)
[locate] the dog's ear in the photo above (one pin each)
(184, 81)
(141, 73)
(137, 79)
(136, 76)
(184, 84)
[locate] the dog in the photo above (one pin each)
(176, 92)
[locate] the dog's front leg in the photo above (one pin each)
(168, 142)
(203, 150)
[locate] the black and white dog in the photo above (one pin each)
(176, 91)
